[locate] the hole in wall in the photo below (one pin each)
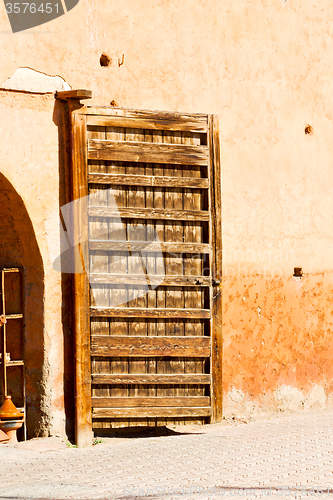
(104, 60)
(308, 130)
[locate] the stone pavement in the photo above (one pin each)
(290, 456)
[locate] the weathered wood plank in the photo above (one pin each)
(160, 364)
(147, 152)
(118, 263)
(137, 402)
(145, 119)
(193, 264)
(150, 379)
(148, 181)
(136, 231)
(81, 284)
(140, 312)
(168, 116)
(153, 280)
(151, 363)
(174, 297)
(150, 123)
(216, 242)
(149, 213)
(138, 246)
(99, 263)
(159, 412)
(135, 346)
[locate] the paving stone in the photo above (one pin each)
(244, 461)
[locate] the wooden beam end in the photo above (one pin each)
(67, 95)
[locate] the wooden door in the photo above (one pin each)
(152, 321)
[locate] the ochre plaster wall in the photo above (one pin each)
(265, 68)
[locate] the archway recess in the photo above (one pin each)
(19, 248)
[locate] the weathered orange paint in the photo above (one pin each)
(278, 331)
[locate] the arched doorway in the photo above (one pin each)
(19, 248)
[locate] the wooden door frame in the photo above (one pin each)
(79, 176)
(81, 302)
(216, 268)
(77, 171)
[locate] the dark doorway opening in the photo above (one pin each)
(19, 248)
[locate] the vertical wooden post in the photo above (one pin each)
(3, 340)
(216, 268)
(81, 302)
(83, 421)
(24, 388)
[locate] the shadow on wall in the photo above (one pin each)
(60, 119)
(19, 248)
